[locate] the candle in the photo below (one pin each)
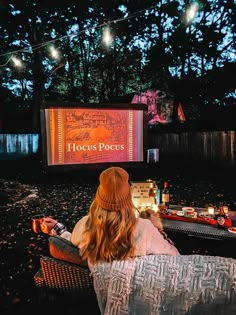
(154, 208)
(211, 210)
(226, 210)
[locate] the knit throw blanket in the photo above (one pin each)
(167, 285)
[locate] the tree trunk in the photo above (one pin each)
(175, 109)
(38, 90)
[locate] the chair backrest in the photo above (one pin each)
(65, 276)
(64, 283)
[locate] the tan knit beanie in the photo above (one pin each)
(113, 193)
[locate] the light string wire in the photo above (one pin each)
(40, 45)
(8, 60)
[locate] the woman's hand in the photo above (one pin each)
(154, 217)
(47, 225)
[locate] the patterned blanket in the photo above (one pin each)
(167, 285)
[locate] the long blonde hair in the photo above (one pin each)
(109, 235)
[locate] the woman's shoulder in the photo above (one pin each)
(144, 222)
(78, 231)
(81, 222)
(83, 219)
(144, 225)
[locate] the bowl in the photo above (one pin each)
(188, 210)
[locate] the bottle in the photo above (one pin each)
(221, 210)
(221, 216)
(165, 196)
(158, 196)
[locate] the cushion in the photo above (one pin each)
(61, 248)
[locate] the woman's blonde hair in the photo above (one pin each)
(109, 235)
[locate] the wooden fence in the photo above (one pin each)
(217, 146)
(18, 144)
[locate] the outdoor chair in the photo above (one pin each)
(65, 280)
(145, 285)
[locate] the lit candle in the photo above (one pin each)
(226, 210)
(154, 208)
(211, 210)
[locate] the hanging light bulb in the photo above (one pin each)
(54, 52)
(107, 37)
(191, 12)
(17, 62)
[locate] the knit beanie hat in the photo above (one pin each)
(113, 193)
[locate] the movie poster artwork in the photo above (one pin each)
(86, 136)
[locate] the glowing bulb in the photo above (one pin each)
(226, 210)
(155, 208)
(191, 12)
(54, 52)
(107, 37)
(17, 62)
(211, 210)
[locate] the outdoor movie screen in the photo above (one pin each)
(93, 135)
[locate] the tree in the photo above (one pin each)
(153, 47)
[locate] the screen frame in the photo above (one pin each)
(95, 106)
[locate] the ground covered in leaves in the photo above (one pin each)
(27, 189)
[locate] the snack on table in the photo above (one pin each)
(232, 229)
(180, 213)
(162, 208)
(189, 212)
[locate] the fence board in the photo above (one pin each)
(219, 146)
(24, 144)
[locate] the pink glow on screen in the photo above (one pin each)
(160, 108)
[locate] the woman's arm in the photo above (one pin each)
(154, 217)
(161, 245)
(149, 240)
(51, 226)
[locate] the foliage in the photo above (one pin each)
(154, 47)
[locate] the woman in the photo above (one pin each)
(111, 230)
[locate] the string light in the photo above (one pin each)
(55, 69)
(107, 37)
(54, 52)
(41, 45)
(191, 12)
(17, 62)
(8, 60)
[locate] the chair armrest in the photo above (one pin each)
(62, 249)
